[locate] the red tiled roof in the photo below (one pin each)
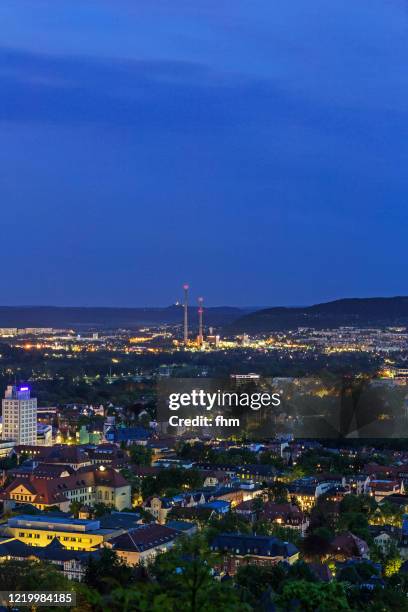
(272, 511)
(384, 485)
(349, 545)
(374, 469)
(54, 490)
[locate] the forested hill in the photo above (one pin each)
(351, 311)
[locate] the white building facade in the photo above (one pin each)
(19, 416)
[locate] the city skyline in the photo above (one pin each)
(204, 305)
(258, 154)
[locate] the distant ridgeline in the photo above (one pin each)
(362, 312)
(67, 317)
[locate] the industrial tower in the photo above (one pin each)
(185, 306)
(200, 321)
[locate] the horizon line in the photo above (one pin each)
(193, 305)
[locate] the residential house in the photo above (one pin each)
(348, 546)
(257, 473)
(385, 536)
(142, 544)
(89, 485)
(305, 491)
(383, 488)
(159, 507)
(241, 549)
(215, 478)
(285, 515)
(74, 456)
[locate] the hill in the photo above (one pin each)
(362, 312)
(110, 318)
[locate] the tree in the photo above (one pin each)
(324, 514)
(171, 481)
(317, 542)
(138, 598)
(357, 573)
(184, 574)
(75, 507)
(301, 571)
(99, 509)
(51, 509)
(231, 522)
(389, 514)
(269, 458)
(393, 562)
(385, 600)
(134, 482)
(358, 503)
(259, 583)
(140, 455)
(257, 507)
(253, 581)
(286, 534)
(356, 522)
(34, 576)
(277, 492)
(107, 573)
(314, 597)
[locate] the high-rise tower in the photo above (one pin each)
(19, 416)
(185, 306)
(200, 321)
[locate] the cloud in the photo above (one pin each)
(63, 89)
(145, 94)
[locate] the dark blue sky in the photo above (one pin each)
(258, 150)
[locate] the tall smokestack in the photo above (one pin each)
(185, 287)
(200, 321)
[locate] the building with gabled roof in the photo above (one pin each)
(348, 546)
(41, 470)
(65, 454)
(239, 549)
(88, 485)
(197, 514)
(383, 488)
(72, 563)
(142, 544)
(285, 514)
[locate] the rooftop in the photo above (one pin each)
(144, 538)
(53, 522)
(244, 544)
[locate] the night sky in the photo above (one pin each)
(256, 149)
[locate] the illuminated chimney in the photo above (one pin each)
(185, 306)
(200, 321)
